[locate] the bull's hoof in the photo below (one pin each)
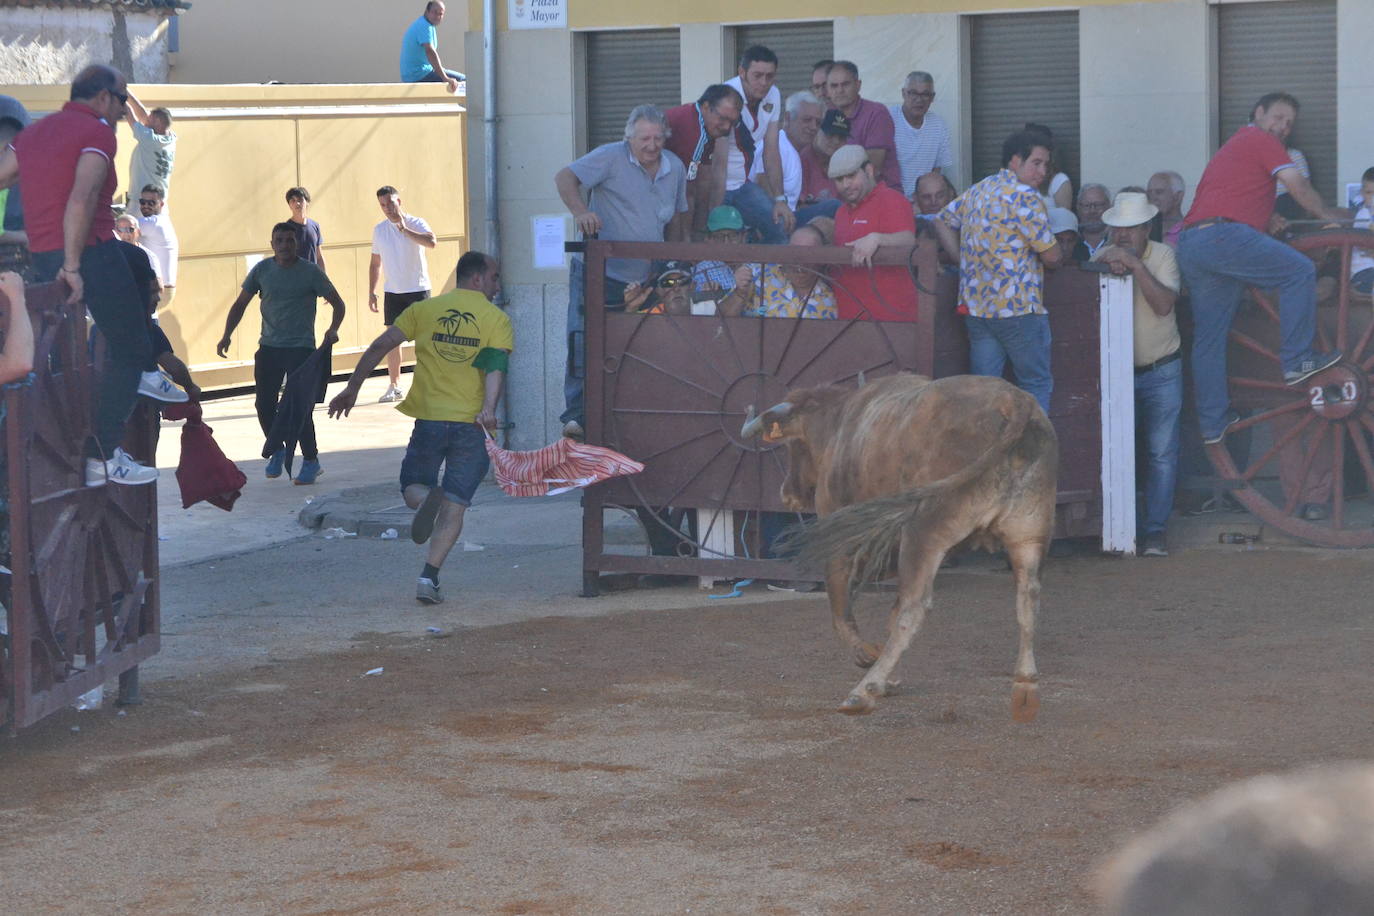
(856, 705)
(1025, 702)
(865, 654)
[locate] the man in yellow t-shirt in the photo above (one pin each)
(462, 348)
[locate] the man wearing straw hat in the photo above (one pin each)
(1158, 356)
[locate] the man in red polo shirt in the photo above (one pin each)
(1225, 245)
(873, 214)
(693, 132)
(66, 163)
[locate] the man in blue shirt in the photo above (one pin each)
(420, 51)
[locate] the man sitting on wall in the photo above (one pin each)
(420, 51)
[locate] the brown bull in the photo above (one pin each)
(900, 472)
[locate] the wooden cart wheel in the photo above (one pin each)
(1310, 444)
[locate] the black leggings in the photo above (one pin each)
(270, 367)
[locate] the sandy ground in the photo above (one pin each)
(683, 759)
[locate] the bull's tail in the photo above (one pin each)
(867, 534)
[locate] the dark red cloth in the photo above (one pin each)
(47, 152)
(204, 472)
(883, 210)
(1238, 184)
(816, 184)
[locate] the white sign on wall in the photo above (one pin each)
(538, 14)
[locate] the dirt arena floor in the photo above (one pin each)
(690, 761)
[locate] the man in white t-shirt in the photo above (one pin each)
(160, 238)
(749, 157)
(398, 250)
(922, 137)
(801, 122)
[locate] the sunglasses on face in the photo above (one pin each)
(123, 98)
(145, 202)
(124, 230)
(670, 282)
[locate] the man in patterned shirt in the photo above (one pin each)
(1004, 239)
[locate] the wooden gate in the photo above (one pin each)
(672, 391)
(82, 599)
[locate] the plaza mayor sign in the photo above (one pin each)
(538, 14)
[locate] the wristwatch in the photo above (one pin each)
(781, 199)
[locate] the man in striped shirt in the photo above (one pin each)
(922, 137)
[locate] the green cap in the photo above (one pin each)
(724, 217)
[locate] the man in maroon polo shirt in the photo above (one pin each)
(870, 123)
(873, 214)
(693, 132)
(66, 163)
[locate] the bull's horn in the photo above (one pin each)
(752, 424)
(861, 378)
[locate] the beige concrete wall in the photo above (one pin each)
(50, 45)
(1145, 97)
(240, 147)
(535, 79)
(704, 60)
(305, 41)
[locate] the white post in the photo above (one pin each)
(716, 534)
(1117, 368)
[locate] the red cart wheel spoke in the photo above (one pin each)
(1337, 476)
(1278, 446)
(1254, 346)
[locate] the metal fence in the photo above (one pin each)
(672, 391)
(81, 601)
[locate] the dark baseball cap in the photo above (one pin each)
(835, 123)
(679, 269)
(12, 110)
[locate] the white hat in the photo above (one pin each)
(1062, 220)
(1131, 208)
(847, 160)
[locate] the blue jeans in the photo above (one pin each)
(460, 447)
(754, 204)
(1158, 403)
(574, 376)
(1218, 262)
(826, 208)
(1025, 340)
(1363, 281)
(433, 76)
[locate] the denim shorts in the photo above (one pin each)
(459, 447)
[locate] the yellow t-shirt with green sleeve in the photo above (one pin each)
(449, 332)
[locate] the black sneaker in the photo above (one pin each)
(1232, 418)
(422, 525)
(1309, 366)
(1154, 546)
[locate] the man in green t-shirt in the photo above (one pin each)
(462, 349)
(289, 288)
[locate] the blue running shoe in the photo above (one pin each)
(274, 464)
(309, 471)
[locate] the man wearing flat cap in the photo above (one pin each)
(872, 215)
(1158, 356)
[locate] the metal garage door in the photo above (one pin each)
(1024, 68)
(1282, 47)
(625, 69)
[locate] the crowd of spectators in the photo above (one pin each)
(748, 163)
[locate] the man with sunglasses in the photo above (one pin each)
(66, 163)
(922, 136)
(155, 226)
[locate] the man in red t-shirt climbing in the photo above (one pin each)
(873, 214)
(66, 164)
(1225, 245)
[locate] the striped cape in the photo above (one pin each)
(558, 468)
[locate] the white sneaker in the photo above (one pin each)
(392, 393)
(160, 387)
(120, 468)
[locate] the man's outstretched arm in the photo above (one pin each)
(388, 340)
